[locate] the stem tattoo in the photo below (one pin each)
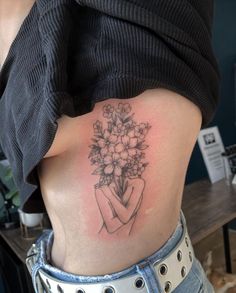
(117, 152)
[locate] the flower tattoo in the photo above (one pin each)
(117, 152)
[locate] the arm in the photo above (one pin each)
(126, 211)
(110, 219)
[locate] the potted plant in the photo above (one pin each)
(11, 198)
(10, 195)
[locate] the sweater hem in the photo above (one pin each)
(121, 87)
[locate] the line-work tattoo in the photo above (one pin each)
(118, 154)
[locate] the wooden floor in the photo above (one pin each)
(214, 242)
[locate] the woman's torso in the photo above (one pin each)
(67, 186)
(67, 183)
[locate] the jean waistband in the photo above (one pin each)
(44, 243)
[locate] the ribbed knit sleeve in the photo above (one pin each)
(165, 43)
(70, 54)
(178, 44)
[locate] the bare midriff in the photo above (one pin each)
(95, 232)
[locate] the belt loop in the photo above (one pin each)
(35, 268)
(38, 288)
(147, 272)
(183, 220)
(48, 247)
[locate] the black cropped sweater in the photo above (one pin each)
(70, 54)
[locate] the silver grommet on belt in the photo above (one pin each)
(109, 290)
(179, 255)
(183, 272)
(48, 284)
(80, 291)
(186, 241)
(139, 283)
(190, 256)
(59, 289)
(163, 269)
(167, 286)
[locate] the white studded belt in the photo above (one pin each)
(170, 272)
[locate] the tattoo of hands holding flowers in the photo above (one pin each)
(117, 152)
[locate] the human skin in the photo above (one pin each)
(68, 185)
(12, 14)
(117, 154)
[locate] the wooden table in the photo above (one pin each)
(16, 242)
(207, 208)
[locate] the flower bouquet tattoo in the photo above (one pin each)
(118, 154)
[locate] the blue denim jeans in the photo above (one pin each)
(195, 282)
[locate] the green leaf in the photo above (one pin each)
(11, 193)
(8, 175)
(16, 200)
